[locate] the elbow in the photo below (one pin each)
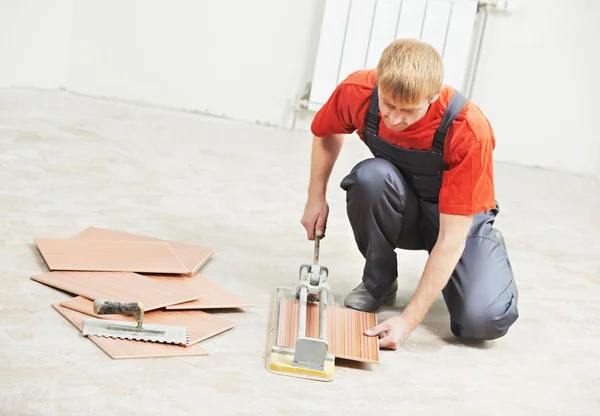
(454, 230)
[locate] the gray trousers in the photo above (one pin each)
(385, 214)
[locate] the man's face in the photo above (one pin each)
(398, 116)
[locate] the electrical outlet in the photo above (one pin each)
(500, 5)
(506, 5)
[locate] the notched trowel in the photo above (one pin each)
(132, 330)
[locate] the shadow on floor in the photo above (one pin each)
(39, 260)
(351, 364)
(434, 332)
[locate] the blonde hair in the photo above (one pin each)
(410, 71)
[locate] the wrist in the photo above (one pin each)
(316, 192)
(410, 319)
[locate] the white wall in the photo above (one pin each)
(593, 48)
(534, 85)
(240, 59)
(34, 42)
(247, 60)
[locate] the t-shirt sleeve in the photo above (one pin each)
(340, 114)
(468, 185)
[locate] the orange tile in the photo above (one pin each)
(202, 325)
(345, 330)
(120, 286)
(77, 254)
(210, 294)
(193, 257)
(123, 349)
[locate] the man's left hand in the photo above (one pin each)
(392, 332)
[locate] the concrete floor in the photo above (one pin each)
(69, 162)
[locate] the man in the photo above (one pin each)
(428, 187)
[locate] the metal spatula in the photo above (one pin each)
(132, 330)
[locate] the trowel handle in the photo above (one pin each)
(112, 307)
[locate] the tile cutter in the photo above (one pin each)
(310, 358)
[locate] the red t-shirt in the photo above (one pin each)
(468, 184)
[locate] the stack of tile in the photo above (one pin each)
(162, 275)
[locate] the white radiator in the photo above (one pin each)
(355, 32)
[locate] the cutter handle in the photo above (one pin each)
(113, 307)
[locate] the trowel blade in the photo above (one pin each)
(128, 330)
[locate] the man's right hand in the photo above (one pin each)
(315, 217)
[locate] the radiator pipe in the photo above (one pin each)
(486, 11)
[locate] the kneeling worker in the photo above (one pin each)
(428, 187)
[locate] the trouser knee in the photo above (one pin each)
(369, 179)
(486, 323)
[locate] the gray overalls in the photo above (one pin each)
(392, 202)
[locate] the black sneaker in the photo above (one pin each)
(362, 300)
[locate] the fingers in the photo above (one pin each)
(310, 233)
(321, 227)
(383, 330)
(376, 330)
(322, 221)
(388, 342)
(315, 218)
(310, 228)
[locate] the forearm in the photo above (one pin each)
(439, 267)
(325, 151)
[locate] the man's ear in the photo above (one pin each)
(435, 97)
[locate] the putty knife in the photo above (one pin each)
(132, 330)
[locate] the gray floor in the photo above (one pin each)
(69, 162)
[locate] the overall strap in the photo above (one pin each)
(373, 113)
(454, 107)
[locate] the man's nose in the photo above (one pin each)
(395, 117)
